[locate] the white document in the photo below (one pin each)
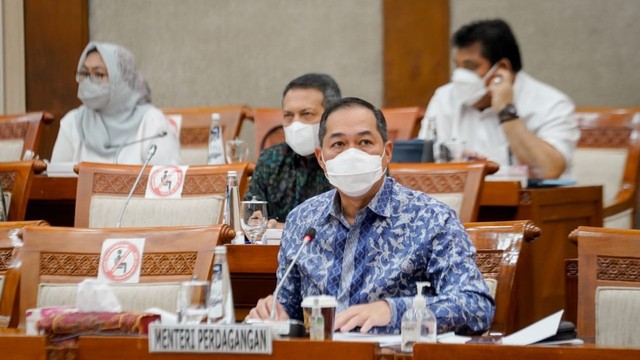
(61, 169)
(535, 332)
(383, 340)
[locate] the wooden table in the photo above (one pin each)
(494, 352)
(52, 199)
(557, 211)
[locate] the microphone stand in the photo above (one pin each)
(152, 151)
(272, 316)
(156, 136)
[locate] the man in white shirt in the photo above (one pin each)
(498, 111)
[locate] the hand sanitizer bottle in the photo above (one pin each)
(418, 323)
(316, 326)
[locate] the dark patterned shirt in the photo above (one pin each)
(401, 237)
(285, 179)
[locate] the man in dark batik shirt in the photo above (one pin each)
(288, 173)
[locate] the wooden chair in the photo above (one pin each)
(498, 246)
(608, 296)
(459, 185)
(608, 154)
(9, 285)
(196, 123)
(54, 256)
(15, 179)
(21, 132)
(103, 188)
(403, 123)
(268, 128)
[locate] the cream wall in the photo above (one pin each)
(587, 48)
(212, 52)
(216, 52)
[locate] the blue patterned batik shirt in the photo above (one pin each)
(401, 237)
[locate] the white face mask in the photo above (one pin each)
(354, 172)
(468, 86)
(93, 95)
(302, 138)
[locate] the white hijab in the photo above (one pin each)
(103, 130)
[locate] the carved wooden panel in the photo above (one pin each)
(489, 262)
(193, 185)
(5, 258)
(13, 130)
(7, 179)
(618, 269)
(434, 183)
(87, 264)
(194, 136)
(609, 137)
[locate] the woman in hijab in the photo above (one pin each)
(116, 123)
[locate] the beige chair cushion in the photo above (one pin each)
(201, 210)
(454, 200)
(193, 155)
(132, 297)
(492, 284)
(617, 316)
(594, 166)
(11, 150)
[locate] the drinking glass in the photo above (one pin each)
(192, 301)
(236, 151)
(253, 218)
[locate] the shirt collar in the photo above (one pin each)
(380, 204)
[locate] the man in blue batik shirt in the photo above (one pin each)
(375, 239)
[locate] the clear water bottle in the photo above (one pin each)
(216, 148)
(231, 215)
(418, 323)
(220, 308)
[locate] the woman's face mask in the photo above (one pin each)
(302, 138)
(468, 86)
(354, 172)
(94, 95)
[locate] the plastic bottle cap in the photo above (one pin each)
(215, 116)
(232, 173)
(221, 249)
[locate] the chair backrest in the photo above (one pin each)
(21, 132)
(608, 285)
(403, 123)
(608, 154)
(62, 255)
(268, 127)
(498, 246)
(196, 123)
(103, 189)
(459, 185)
(15, 179)
(9, 285)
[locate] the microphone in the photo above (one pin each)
(150, 153)
(309, 235)
(291, 328)
(160, 134)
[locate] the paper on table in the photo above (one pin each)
(383, 340)
(535, 332)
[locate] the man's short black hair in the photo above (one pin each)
(496, 39)
(321, 82)
(350, 102)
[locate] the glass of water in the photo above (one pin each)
(192, 301)
(253, 218)
(236, 151)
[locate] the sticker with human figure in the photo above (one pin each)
(166, 182)
(121, 260)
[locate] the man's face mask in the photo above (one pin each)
(468, 86)
(94, 95)
(302, 138)
(354, 172)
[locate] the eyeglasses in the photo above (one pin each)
(93, 77)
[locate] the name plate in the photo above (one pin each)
(234, 339)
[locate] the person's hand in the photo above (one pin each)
(274, 224)
(473, 156)
(262, 310)
(365, 315)
(501, 88)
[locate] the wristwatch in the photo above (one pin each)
(508, 113)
